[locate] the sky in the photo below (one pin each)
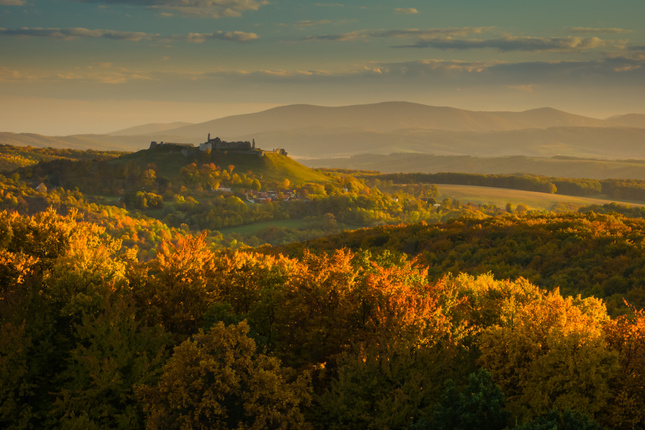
(96, 66)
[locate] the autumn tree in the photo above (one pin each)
(172, 288)
(402, 347)
(551, 354)
(217, 380)
(626, 335)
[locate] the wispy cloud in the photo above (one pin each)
(389, 79)
(518, 76)
(84, 33)
(427, 67)
(12, 2)
(206, 8)
(233, 36)
(594, 30)
(13, 75)
(456, 39)
(406, 11)
(77, 33)
(341, 37)
(308, 23)
(430, 33)
(102, 72)
(513, 43)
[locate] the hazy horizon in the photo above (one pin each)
(97, 66)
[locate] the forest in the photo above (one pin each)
(193, 338)
(124, 306)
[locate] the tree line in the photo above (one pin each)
(620, 189)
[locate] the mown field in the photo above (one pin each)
(532, 200)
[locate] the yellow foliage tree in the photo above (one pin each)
(627, 336)
(551, 353)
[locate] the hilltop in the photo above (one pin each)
(271, 167)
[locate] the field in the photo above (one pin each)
(534, 201)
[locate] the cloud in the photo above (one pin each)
(102, 72)
(513, 43)
(594, 30)
(233, 36)
(406, 11)
(12, 75)
(428, 67)
(455, 39)
(12, 2)
(525, 77)
(342, 37)
(430, 33)
(84, 33)
(77, 33)
(205, 8)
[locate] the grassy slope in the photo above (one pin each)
(533, 200)
(270, 168)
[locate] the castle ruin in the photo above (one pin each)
(219, 145)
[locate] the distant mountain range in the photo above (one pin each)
(309, 131)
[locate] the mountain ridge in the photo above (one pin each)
(388, 127)
(384, 117)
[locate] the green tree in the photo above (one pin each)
(114, 352)
(567, 420)
(479, 406)
(217, 380)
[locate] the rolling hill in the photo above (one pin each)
(388, 127)
(99, 142)
(272, 167)
(149, 128)
(383, 117)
